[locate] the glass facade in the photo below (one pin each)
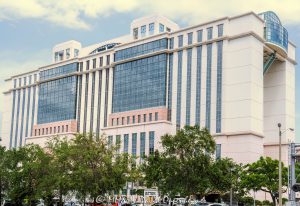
(209, 33)
(57, 100)
(126, 139)
(169, 88)
(141, 49)
(22, 117)
(58, 71)
(92, 102)
(179, 85)
(151, 142)
(198, 85)
(140, 84)
(12, 119)
(171, 44)
(180, 41)
(134, 142)
(99, 104)
(106, 97)
(151, 28)
(190, 38)
(79, 102)
(17, 117)
(219, 86)
(220, 30)
(208, 87)
(188, 87)
(143, 31)
(142, 144)
(33, 109)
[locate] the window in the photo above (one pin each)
(63, 128)
(56, 56)
(39, 132)
(143, 31)
(135, 33)
(46, 130)
(156, 116)
(133, 119)
(180, 41)
(54, 130)
(150, 117)
(209, 33)
(101, 61)
(20, 82)
(190, 38)
(220, 30)
(76, 52)
(118, 142)
(35, 77)
(171, 43)
(67, 128)
(218, 151)
(128, 119)
(35, 132)
(68, 53)
(24, 82)
(110, 141)
(142, 144)
(81, 66)
(61, 55)
(151, 142)
(43, 131)
(58, 129)
(139, 118)
(117, 121)
(145, 117)
(107, 59)
(123, 119)
(30, 79)
(151, 28)
(161, 28)
(94, 63)
(87, 64)
(50, 130)
(133, 148)
(168, 29)
(15, 83)
(126, 140)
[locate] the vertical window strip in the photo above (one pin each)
(208, 86)
(99, 104)
(190, 38)
(180, 41)
(12, 119)
(134, 141)
(28, 110)
(17, 119)
(33, 109)
(188, 87)
(118, 142)
(198, 85)
(170, 87)
(142, 144)
(179, 79)
(219, 86)
(79, 103)
(126, 137)
(209, 33)
(199, 35)
(220, 30)
(92, 102)
(218, 151)
(106, 97)
(110, 141)
(151, 142)
(22, 117)
(172, 43)
(86, 96)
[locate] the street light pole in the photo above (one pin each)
(279, 166)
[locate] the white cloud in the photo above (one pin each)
(74, 13)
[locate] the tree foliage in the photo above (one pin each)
(263, 175)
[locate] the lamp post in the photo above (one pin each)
(280, 166)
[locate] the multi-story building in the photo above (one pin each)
(233, 75)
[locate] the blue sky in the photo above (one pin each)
(30, 28)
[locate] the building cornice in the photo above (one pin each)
(228, 134)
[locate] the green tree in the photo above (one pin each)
(97, 167)
(25, 170)
(263, 175)
(184, 165)
(60, 182)
(3, 173)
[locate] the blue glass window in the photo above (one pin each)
(198, 85)
(161, 28)
(126, 139)
(106, 97)
(140, 84)
(218, 151)
(219, 87)
(94, 63)
(133, 148)
(142, 144)
(188, 87)
(199, 35)
(209, 33)
(57, 100)
(79, 102)
(110, 141)
(151, 142)
(28, 109)
(58, 71)
(208, 86)
(190, 38)
(87, 64)
(33, 109)
(179, 85)
(15, 83)
(143, 31)
(171, 43)
(220, 30)
(151, 28)
(22, 117)
(99, 103)
(135, 33)
(85, 102)
(118, 142)
(92, 102)
(169, 88)
(180, 41)
(141, 49)
(17, 117)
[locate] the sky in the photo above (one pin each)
(30, 28)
